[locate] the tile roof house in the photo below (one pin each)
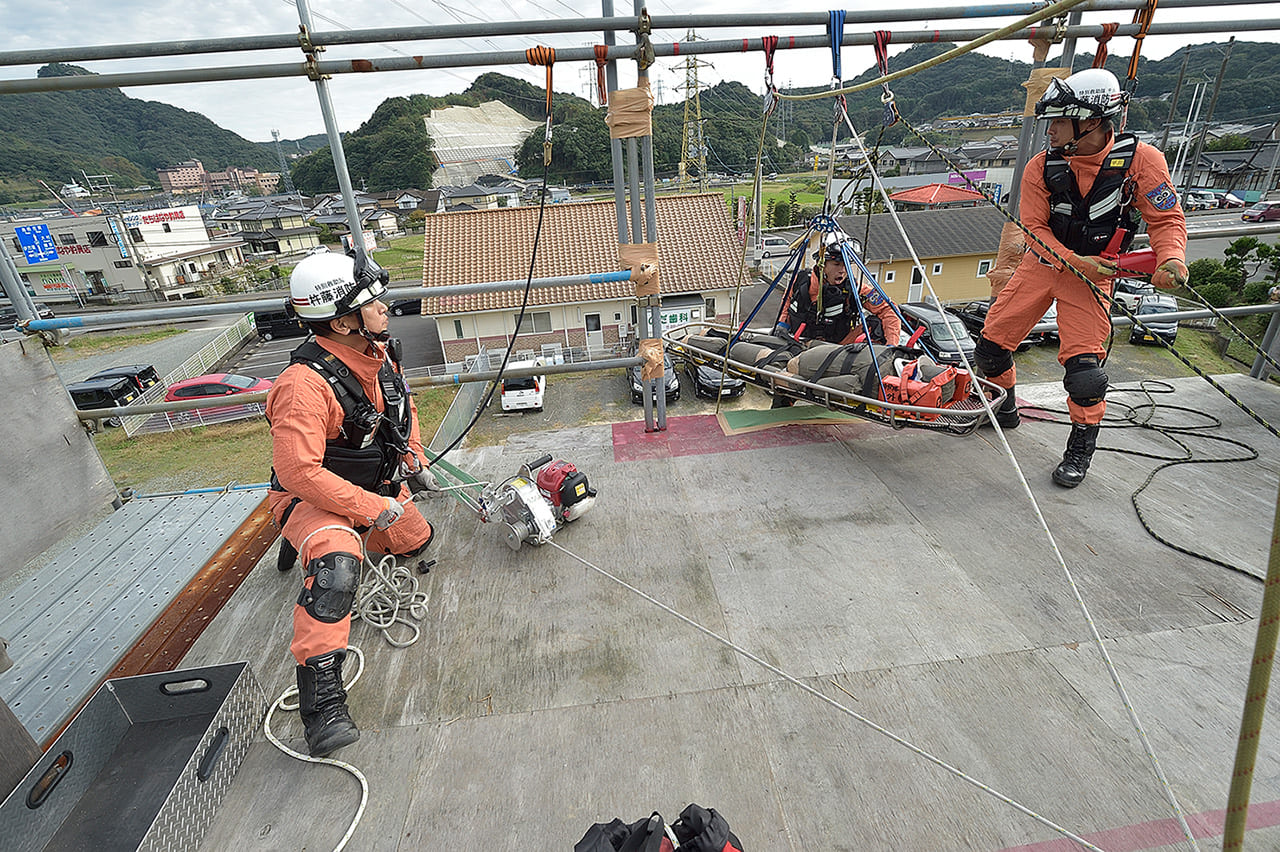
(956, 245)
(936, 195)
(698, 253)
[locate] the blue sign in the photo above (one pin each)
(115, 230)
(37, 243)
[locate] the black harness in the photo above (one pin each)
(1086, 225)
(371, 443)
(829, 318)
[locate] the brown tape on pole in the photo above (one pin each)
(651, 352)
(1012, 246)
(630, 113)
(642, 260)
(1037, 83)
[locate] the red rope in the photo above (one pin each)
(602, 56)
(1100, 57)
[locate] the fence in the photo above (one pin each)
(198, 364)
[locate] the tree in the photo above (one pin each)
(1229, 142)
(1244, 257)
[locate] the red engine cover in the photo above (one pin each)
(552, 476)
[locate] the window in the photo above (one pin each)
(535, 323)
(984, 266)
(711, 308)
(917, 275)
(889, 276)
(96, 238)
(457, 329)
(66, 239)
(123, 264)
(17, 246)
(135, 235)
(166, 227)
(937, 269)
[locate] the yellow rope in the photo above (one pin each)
(1061, 7)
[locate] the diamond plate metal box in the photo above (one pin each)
(142, 767)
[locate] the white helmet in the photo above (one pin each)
(327, 285)
(1091, 93)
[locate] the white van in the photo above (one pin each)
(523, 392)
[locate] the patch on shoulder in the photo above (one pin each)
(1163, 197)
(873, 298)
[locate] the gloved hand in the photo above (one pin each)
(389, 515)
(1172, 273)
(1094, 268)
(782, 330)
(424, 481)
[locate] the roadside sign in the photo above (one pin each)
(37, 243)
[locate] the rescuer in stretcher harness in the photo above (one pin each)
(345, 440)
(1077, 198)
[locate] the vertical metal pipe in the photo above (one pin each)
(1260, 369)
(1194, 162)
(335, 146)
(13, 288)
(1027, 136)
(650, 190)
(1173, 102)
(633, 189)
(615, 145)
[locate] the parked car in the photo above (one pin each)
(271, 324)
(1199, 199)
(974, 316)
(400, 307)
(945, 335)
(110, 392)
(669, 379)
(9, 314)
(523, 392)
(1230, 199)
(1149, 310)
(1263, 211)
(143, 376)
(1130, 291)
(711, 382)
(213, 385)
(774, 247)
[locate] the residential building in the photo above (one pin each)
(698, 255)
(142, 256)
(936, 195)
(183, 178)
(270, 226)
(478, 197)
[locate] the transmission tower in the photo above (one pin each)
(693, 146)
(284, 167)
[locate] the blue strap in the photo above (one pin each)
(835, 29)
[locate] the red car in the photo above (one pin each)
(1263, 211)
(213, 385)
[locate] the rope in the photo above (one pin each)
(1100, 56)
(848, 711)
(388, 594)
(602, 57)
(1255, 704)
(1071, 582)
(542, 55)
(281, 703)
(1048, 12)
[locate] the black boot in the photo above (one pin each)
(1081, 443)
(1007, 414)
(323, 704)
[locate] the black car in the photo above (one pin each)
(711, 382)
(974, 317)
(271, 324)
(111, 392)
(670, 379)
(143, 376)
(400, 307)
(945, 335)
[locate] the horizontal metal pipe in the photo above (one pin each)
(577, 54)
(187, 311)
(329, 38)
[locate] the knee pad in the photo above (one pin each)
(991, 359)
(334, 589)
(1085, 381)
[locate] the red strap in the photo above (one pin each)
(1100, 57)
(602, 56)
(770, 45)
(883, 37)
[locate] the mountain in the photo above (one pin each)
(54, 135)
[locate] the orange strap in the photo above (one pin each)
(542, 55)
(1100, 57)
(602, 56)
(1143, 17)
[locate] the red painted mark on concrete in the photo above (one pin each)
(701, 434)
(1152, 835)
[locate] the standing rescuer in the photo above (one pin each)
(1077, 197)
(345, 439)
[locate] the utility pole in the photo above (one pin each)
(1173, 103)
(1204, 128)
(284, 166)
(693, 145)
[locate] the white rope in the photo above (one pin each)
(1166, 787)
(282, 703)
(388, 593)
(738, 649)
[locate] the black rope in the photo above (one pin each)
(1145, 416)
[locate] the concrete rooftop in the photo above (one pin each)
(900, 573)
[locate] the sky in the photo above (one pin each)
(290, 105)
